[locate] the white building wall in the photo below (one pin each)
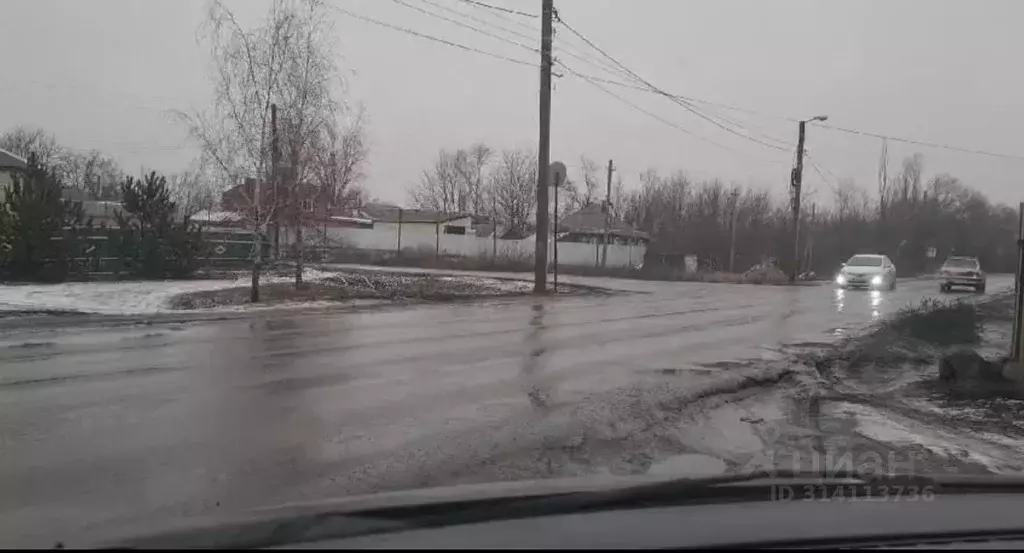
(423, 238)
(590, 255)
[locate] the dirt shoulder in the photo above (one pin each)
(370, 285)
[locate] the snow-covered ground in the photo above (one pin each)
(103, 297)
(119, 298)
(143, 297)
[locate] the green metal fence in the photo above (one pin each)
(97, 254)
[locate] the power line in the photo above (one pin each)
(485, 22)
(465, 26)
(679, 99)
(922, 143)
(658, 117)
(579, 56)
(675, 99)
(499, 8)
(434, 38)
(468, 48)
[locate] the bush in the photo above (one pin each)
(938, 322)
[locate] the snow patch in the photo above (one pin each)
(878, 426)
(122, 298)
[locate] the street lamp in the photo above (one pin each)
(797, 178)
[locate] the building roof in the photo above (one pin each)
(388, 213)
(591, 220)
(218, 217)
(10, 161)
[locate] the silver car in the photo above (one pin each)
(873, 271)
(961, 271)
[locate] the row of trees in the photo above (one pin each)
(730, 226)
(91, 171)
(502, 185)
(98, 176)
(47, 237)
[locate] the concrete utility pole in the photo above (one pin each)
(607, 214)
(540, 256)
(797, 178)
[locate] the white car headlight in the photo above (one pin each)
(876, 280)
(840, 279)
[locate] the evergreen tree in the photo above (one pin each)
(38, 227)
(153, 244)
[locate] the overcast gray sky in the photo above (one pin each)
(102, 73)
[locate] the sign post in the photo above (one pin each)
(558, 173)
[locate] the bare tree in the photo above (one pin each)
(192, 190)
(589, 172)
(287, 60)
(456, 182)
(439, 187)
(25, 141)
(884, 184)
(97, 174)
(514, 186)
(472, 167)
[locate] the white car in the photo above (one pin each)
(961, 271)
(868, 271)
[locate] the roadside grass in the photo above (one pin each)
(917, 335)
(936, 322)
(367, 285)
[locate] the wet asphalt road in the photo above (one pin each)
(108, 428)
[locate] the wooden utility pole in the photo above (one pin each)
(797, 182)
(494, 226)
(540, 255)
(732, 230)
(400, 216)
(1018, 286)
(607, 214)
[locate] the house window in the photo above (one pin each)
(307, 205)
(450, 229)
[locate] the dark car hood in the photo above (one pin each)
(156, 534)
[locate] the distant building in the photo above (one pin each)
(101, 213)
(588, 226)
(10, 165)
